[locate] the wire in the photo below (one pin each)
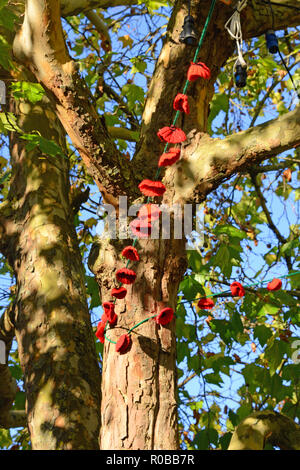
(281, 56)
(289, 73)
(233, 26)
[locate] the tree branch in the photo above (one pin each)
(266, 426)
(207, 162)
(123, 133)
(74, 7)
(271, 224)
(99, 25)
(47, 57)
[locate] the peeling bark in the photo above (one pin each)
(139, 389)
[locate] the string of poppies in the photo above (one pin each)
(141, 226)
(236, 290)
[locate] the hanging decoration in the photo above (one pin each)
(141, 226)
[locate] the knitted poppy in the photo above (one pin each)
(172, 135)
(206, 304)
(131, 253)
(169, 158)
(119, 292)
(165, 316)
(237, 289)
(276, 284)
(181, 103)
(126, 276)
(104, 319)
(109, 310)
(152, 188)
(140, 228)
(100, 332)
(198, 70)
(149, 212)
(123, 344)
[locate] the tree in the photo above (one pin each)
(74, 116)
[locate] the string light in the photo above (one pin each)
(234, 29)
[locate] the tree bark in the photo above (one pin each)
(52, 325)
(139, 388)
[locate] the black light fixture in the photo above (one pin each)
(240, 75)
(272, 41)
(188, 34)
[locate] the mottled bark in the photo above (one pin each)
(139, 405)
(52, 325)
(263, 427)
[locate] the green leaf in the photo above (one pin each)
(262, 333)
(5, 438)
(214, 378)
(274, 355)
(231, 231)
(220, 102)
(93, 291)
(204, 438)
(139, 65)
(32, 92)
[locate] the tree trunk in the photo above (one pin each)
(55, 340)
(139, 388)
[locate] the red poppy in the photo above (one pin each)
(276, 284)
(100, 332)
(140, 228)
(149, 212)
(170, 157)
(152, 188)
(123, 344)
(129, 252)
(104, 319)
(198, 70)
(172, 135)
(181, 103)
(126, 276)
(165, 316)
(109, 310)
(237, 289)
(206, 304)
(119, 292)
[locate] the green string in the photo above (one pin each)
(212, 6)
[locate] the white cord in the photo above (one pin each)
(233, 26)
